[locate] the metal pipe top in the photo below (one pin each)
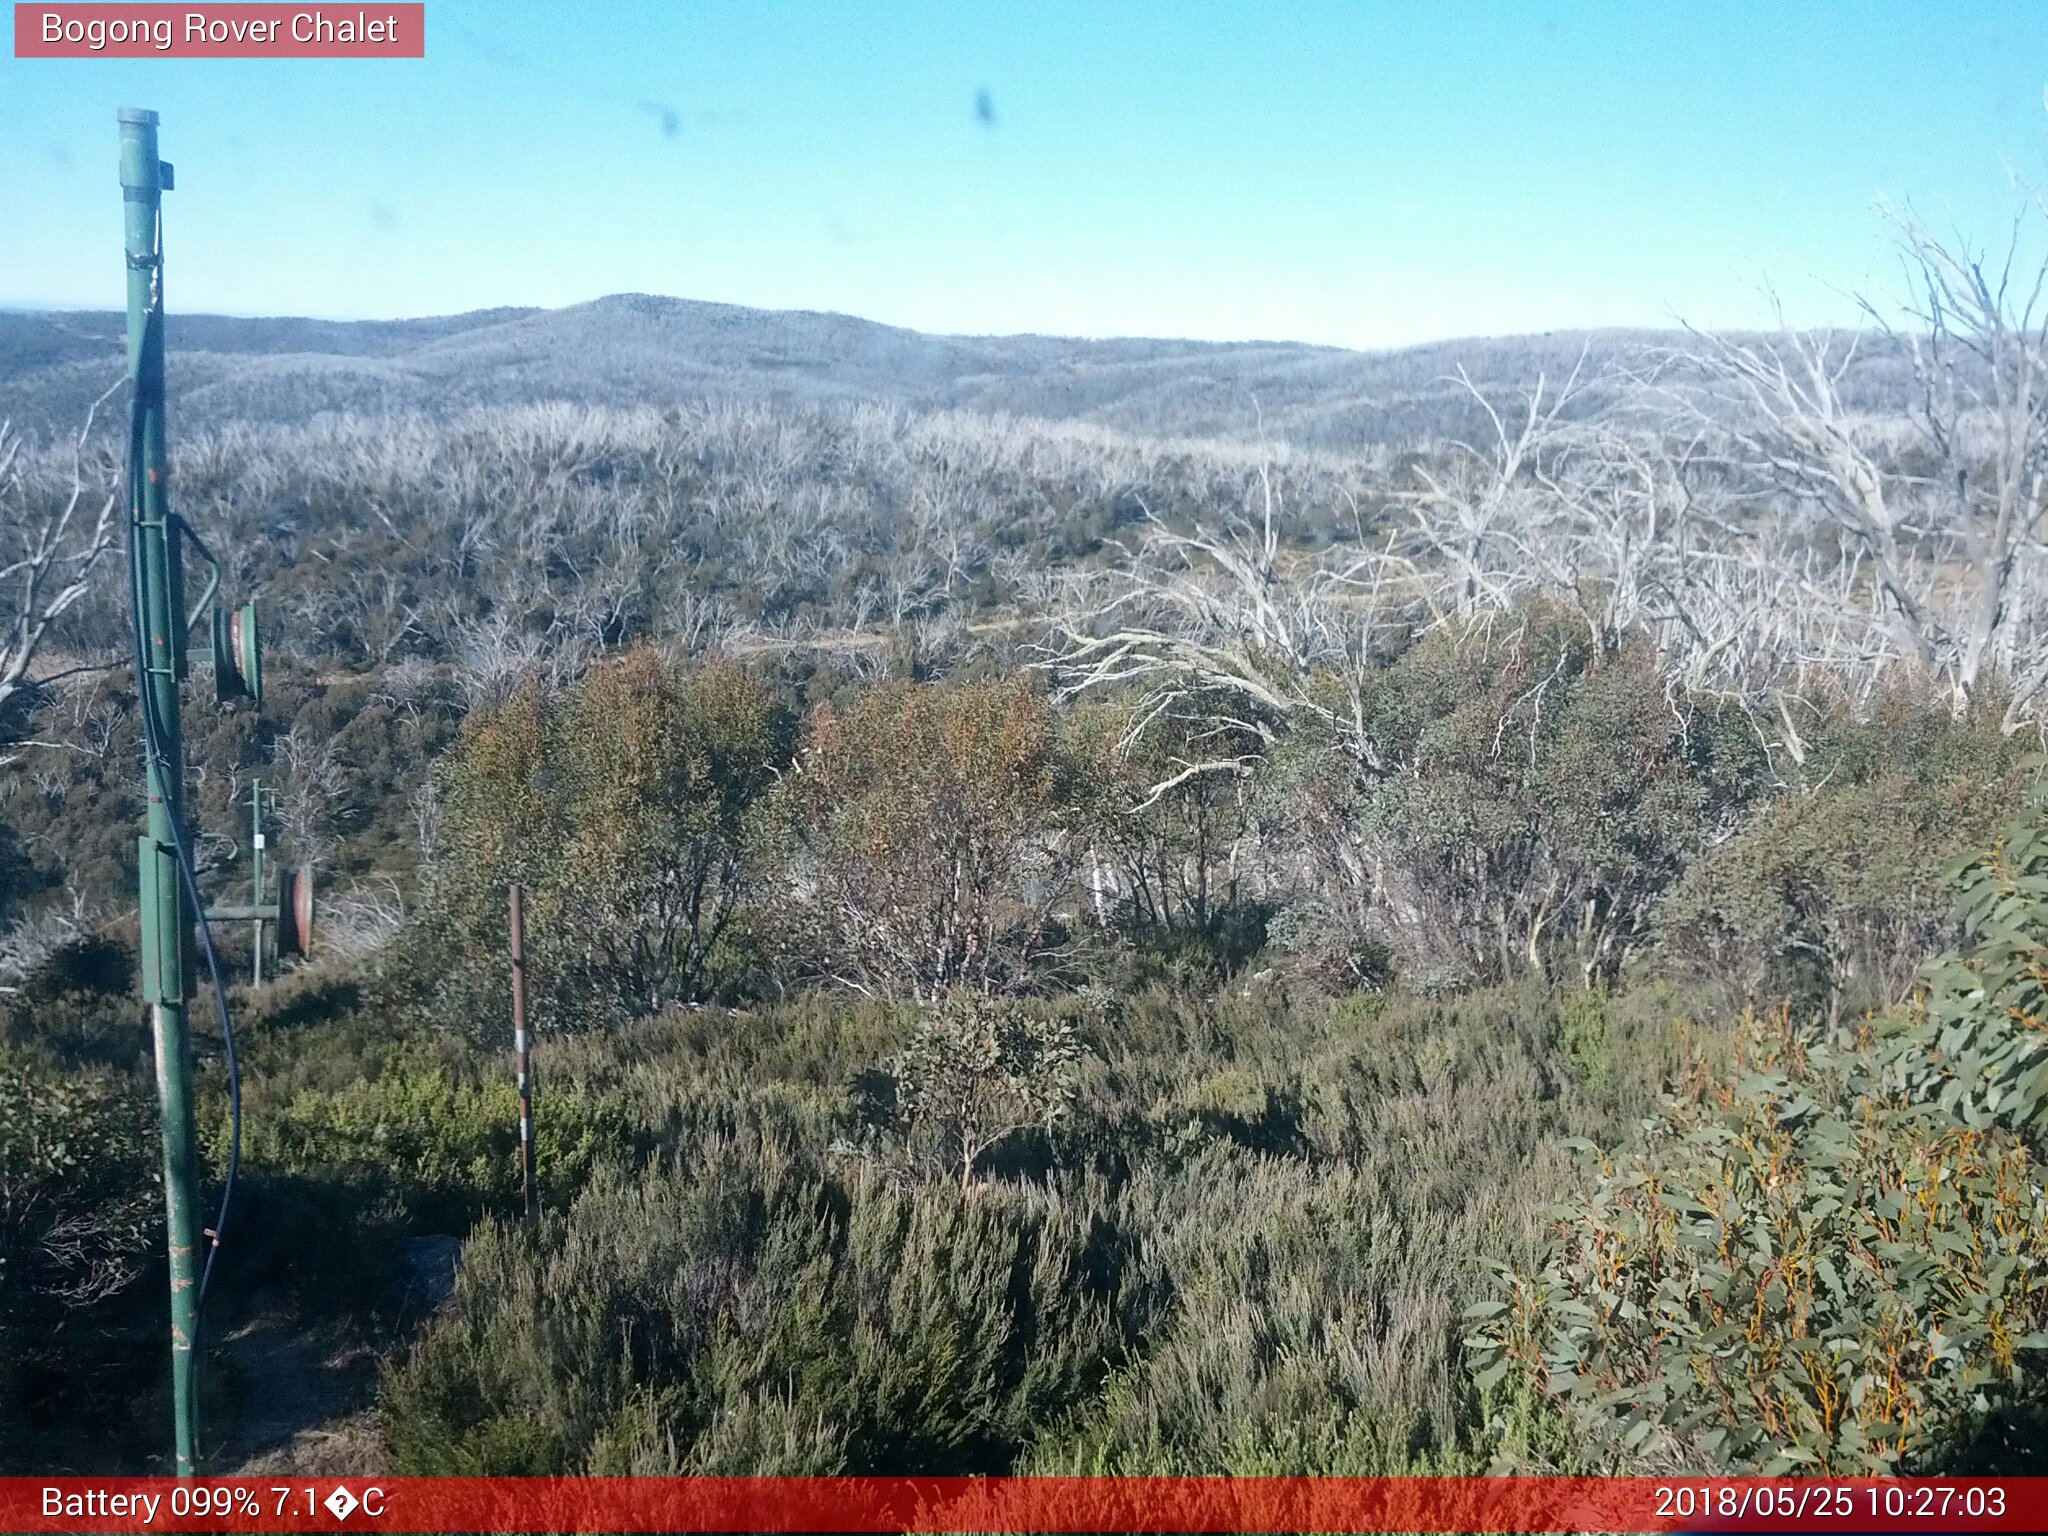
(141, 115)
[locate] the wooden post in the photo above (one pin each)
(522, 1046)
(256, 879)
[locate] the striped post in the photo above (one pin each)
(522, 1045)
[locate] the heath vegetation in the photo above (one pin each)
(1067, 947)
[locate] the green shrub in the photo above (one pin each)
(1584, 1036)
(446, 1149)
(975, 1071)
(1840, 1262)
(626, 804)
(303, 998)
(738, 1303)
(1833, 894)
(1525, 801)
(80, 1224)
(927, 822)
(77, 1186)
(82, 1005)
(1281, 1318)
(1976, 1041)
(1796, 1274)
(1246, 1249)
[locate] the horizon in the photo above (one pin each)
(522, 310)
(1362, 178)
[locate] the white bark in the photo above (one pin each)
(50, 561)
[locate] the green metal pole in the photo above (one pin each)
(158, 593)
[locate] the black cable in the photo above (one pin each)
(153, 739)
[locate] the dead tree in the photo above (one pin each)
(1216, 624)
(1228, 626)
(53, 553)
(1945, 531)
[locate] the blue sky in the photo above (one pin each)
(1364, 174)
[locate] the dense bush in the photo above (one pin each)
(1976, 1040)
(931, 834)
(1168, 861)
(739, 1312)
(1837, 1262)
(1833, 892)
(77, 1165)
(1243, 1247)
(626, 804)
(79, 1225)
(1528, 798)
(446, 1149)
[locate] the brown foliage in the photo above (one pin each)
(929, 822)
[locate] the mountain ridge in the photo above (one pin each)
(648, 349)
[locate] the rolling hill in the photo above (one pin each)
(639, 349)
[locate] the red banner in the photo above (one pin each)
(100, 31)
(1177, 1504)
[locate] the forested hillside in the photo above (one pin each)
(1110, 906)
